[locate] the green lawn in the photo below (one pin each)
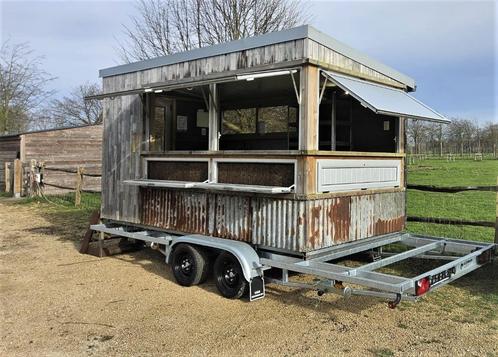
(473, 205)
(454, 173)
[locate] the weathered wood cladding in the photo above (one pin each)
(66, 149)
(223, 64)
(121, 157)
(329, 59)
(294, 225)
(279, 54)
(10, 147)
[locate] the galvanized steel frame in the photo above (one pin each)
(380, 285)
(403, 288)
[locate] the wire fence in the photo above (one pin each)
(440, 200)
(64, 185)
(412, 159)
(88, 201)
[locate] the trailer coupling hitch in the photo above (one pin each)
(395, 302)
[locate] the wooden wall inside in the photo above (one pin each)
(9, 149)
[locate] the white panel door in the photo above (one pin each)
(348, 175)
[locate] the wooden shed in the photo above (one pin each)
(61, 151)
(290, 141)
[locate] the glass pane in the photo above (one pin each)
(156, 130)
(239, 121)
(293, 119)
(273, 120)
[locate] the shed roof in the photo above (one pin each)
(5, 136)
(296, 33)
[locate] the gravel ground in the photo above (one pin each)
(55, 301)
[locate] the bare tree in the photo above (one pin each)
(163, 27)
(22, 86)
(74, 110)
(416, 131)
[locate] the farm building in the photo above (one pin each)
(61, 151)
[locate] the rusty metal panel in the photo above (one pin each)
(376, 214)
(279, 223)
(289, 224)
(177, 210)
(230, 217)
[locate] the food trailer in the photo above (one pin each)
(285, 151)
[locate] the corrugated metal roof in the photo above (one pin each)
(292, 34)
(385, 100)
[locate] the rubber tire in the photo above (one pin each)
(199, 265)
(239, 287)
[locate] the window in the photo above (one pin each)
(156, 129)
(178, 121)
(273, 120)
(239, 121)
(260, 114)
(352, 126)
(262, 128)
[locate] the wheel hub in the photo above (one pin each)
(186, 265)
(230, 275)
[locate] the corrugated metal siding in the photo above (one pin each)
(279, 223)
(293, 225)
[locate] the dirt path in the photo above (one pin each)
(57, 302)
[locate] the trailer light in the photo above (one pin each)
(158, 91)
(422, 286)
(148, 90)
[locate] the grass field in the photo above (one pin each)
(473, 205)
(454, 173)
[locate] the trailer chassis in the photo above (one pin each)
(462, 258)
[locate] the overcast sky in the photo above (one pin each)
(449, 47)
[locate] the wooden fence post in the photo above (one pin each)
(32, 179)
(8, 182)
(17, 178)
(79, 186)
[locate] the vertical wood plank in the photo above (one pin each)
(7, 174)
(213, 118)
(17, 178)
(79, 186)
(308, 111)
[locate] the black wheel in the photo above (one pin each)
(230, 280)
(190, 265)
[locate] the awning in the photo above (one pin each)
(385, 100)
